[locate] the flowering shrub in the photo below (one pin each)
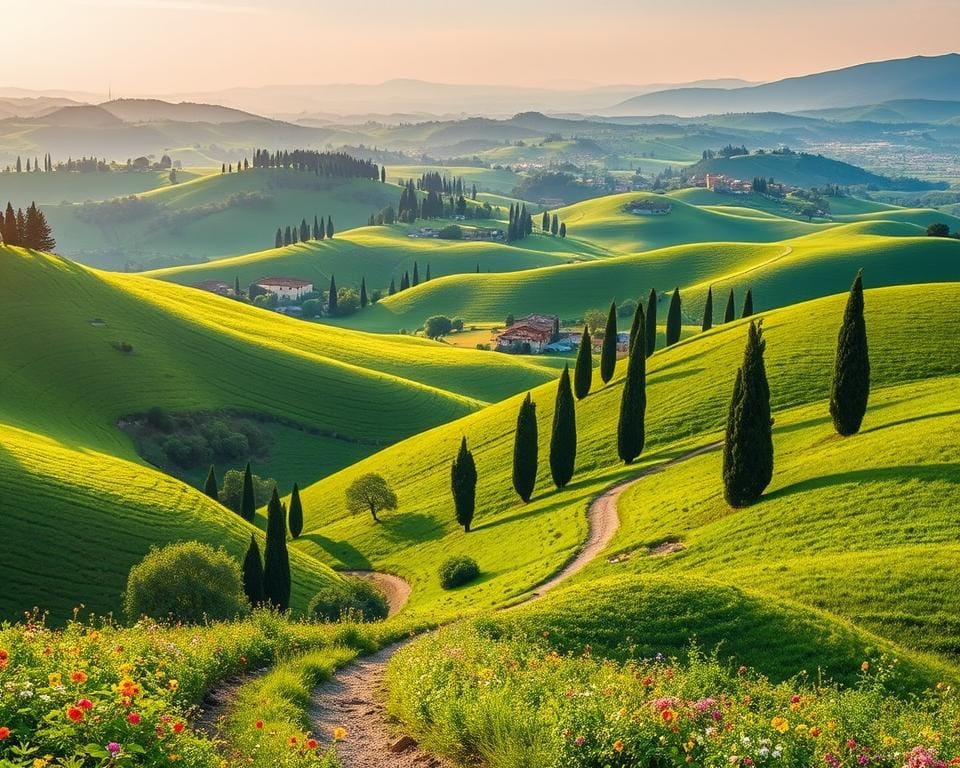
(520, 703)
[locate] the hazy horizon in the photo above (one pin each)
(557, 44)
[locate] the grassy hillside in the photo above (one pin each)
(54, 188)
(779, 273)
(486, 179)
(210, 217)
(688, 390)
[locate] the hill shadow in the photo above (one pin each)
(412, 527)
(949, 473)
(343, 551)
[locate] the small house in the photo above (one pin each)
(531, 334)
(285, 287)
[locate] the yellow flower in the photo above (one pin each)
(618, 745)
(173, 684)
(339, 733)
(889, 741)
(802, 728)
(54, 679)
(40, 762)
(125, 669)
(780, 724)
(93, 635)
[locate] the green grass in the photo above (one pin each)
(55, 188)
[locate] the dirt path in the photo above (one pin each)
(353, 699)
(396, 589)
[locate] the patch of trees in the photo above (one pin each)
(520, 223)
(440, 325)
(303, 232)
(939, 229)
(338, 165)
(554, 184)
(443, 185)
(117, 211)
(27, 229)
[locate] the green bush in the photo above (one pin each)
(189, 582)
(457, 571)
(355, 599)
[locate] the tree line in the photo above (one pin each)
(27, 229)
(338, 165)
(747, 467)
(303, 232)
(432, 181)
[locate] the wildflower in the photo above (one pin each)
(780, 724)
(618, 745)
(78, 676)
(4, 733)
(133, 718)
(258, 725)
(113, 748)
(668, 715)
(339, 733)
(4, 658)
(173, 685)
(178, 726)
(75, 714)
(865, 667)
(125, 669)
(815, 731)
(54, 679)
(128, 688)
(312, 744)
(293, 741)
(580, 741)
(85, 704)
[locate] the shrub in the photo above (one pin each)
(231, 492)
(158, 418)
(437, 326)
(355, 599)
(189, 582)
(451, 232)
(312, 308)
(457, 571)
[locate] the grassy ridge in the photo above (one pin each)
(55, 188)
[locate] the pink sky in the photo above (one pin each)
(164, 46)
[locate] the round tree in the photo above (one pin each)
(370, 493)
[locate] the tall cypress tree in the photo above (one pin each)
(728, 313)
(583, 373)
(393, 287)
(332, 298)
(525, 449)
(363, 292)
(708, 311)
(563, 436)
(276, 561)
(253, 574)
(463, 485)
(747, 304)
(316, 228)
(210, 487)
(633, 404)
(415, 280)
(851, 373)
(637, 329)
(323, 229)
(608, 352)
(330, 227)
(426, 278)
(748, 449)
(650, 325)
(248, 504)
(295, 515)
(278, 240)
(674, 319)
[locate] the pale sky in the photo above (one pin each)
(144, 47)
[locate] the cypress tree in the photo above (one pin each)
(637, 331)
(323, 229)
(248, 504)
(278, 240)
(236, 286)
(708, 311)
(463, 484)
(253, 574)
(332, 298)
(633, 403)
(583, 372)
(276, 561)
(650, 326)
(748, 449)
(363, 292)
(393, 287)
(316, 228)
(545, 222)
(525, 448)
(728, 313)
(608, 352)
(555, 225)
(674, 319)
(850, 389)
(563, 229)
(426, 279)
(210, 487)
(11, 236)
(747, 304)
(295, 515)
(330, 227)
(416, 275)
(563, 436)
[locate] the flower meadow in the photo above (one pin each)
(95, 694)
(520, 703)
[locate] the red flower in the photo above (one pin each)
(258, 725)
(75, 714)
(4, 658)
(85, 704)
(4, 732)
(78, 676)
(293, 741)
(312, 744)
(178, 727)
(133, 718)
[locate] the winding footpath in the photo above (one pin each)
(353, 699)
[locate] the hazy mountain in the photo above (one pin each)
(157, 111)
(919, 77)
(898, 111)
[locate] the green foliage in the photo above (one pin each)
(608, 352)
(463, 485)
(189, 582)
(633, 403)
(437, 326)
(748, 446)
(458, 570)
(248, 503)
(850, 389)
(635, 328)
(583, 373)
(708, 311)
(295, 516)
(231, 493)
(563, 435)
(651, 322)
(370, 493)
(674, 319)
(276, 565)
(747, 310)
(210, 486)
(525, 450)
(351, 599)
(253, 574)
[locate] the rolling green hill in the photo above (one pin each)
(51, 189)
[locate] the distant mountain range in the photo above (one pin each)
(919, 77)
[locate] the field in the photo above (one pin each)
(51, 189)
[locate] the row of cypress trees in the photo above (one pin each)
(322, 230)
(729, 310)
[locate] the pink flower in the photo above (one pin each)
(113, 747)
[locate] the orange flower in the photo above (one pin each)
(258, 725)
(293, 741)
(4, 733)
(4, 659)
(668, 715)
(78, 676)
(618, 745)
(128, 688)
(85, 704)
(339, 733)
(75, 714)
(312, 744)
(865, 666)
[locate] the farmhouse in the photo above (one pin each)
(648, 207)
(530, 334)
(285, 287)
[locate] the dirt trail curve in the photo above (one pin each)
(353, 698)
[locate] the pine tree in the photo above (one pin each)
(323, 229)
(633, 402)
(563, 436)
(10, 234)
(545, 222)
(248, 504)
(426, 279)
(525, 448)
(316, 228)
(850, 389)
(583, 372)
(210, 487)
(276, 565)
(563, 230)
(332, 298)
(728, 313)
(636, 327)
(674, 319)
(748, 448)
(363, 292)
(393, 287)
(708, 311)
(278, 240)
(608, 352)
(650, 324)
(747, 304)
(330, 227)
(295, 515)
(253, 574)
(463, 484)
(416, 275)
